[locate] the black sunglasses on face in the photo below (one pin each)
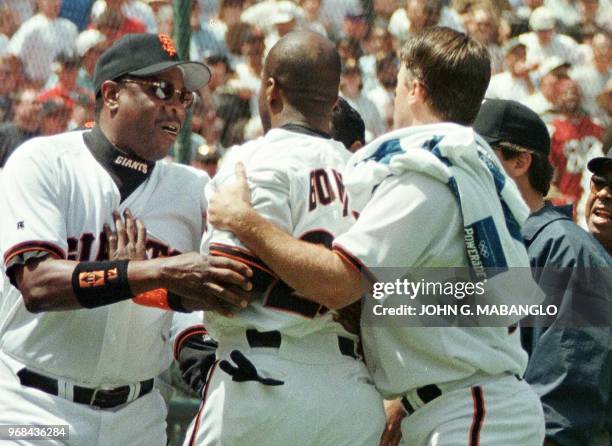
(165, 91)
(598, 183)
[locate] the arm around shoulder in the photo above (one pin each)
(312, 270)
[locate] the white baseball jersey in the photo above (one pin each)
(460, 385)
(39, 40)
(56, 198)
(409, 219)
(296, 183)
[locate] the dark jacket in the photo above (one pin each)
(570, 364)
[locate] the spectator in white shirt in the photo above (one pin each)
(40, 39)
(544, 42)
(592, 77)
(514, 83)
(351, 89)
(564, 11)
(378, 44)
(383, 95)
(333, 13)
(542, 101)
(248, 70)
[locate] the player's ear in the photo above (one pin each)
(519, 165)
(418, 90)
(273, 95)
(356, 145)
(523, 162)
(110, 93)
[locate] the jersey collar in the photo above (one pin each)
(298, 128)
(127, 171)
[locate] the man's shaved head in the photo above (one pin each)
(306, 67)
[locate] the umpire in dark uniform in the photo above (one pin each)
(569, 365)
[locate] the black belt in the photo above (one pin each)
(102, 398)
(427, 394)
(273, 339)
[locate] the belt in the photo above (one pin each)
(273, 339)
(427, 394)
(100, 397)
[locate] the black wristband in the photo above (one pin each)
(175, 303)
(96, 284)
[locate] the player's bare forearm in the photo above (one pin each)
(311, 269)
(46, 284)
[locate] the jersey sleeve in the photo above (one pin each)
(32, 219)
(185, 325)
(400, 225)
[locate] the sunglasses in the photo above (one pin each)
(598, 183)
(165, 91)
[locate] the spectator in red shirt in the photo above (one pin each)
(66, 67)
(573, 139)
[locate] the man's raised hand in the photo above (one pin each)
(129, 240)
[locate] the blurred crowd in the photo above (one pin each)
(551, 55)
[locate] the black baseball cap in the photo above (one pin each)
(596, 165)
(143, 55)
(504, 120)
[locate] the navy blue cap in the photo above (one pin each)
(502, 120)
(596, 165)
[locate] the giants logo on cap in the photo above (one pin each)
(167, 44)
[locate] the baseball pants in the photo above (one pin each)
(327, 399)
(139, 423)
(502, 410)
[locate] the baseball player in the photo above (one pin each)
(287, 372)
(427, 194)
(75, 349)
